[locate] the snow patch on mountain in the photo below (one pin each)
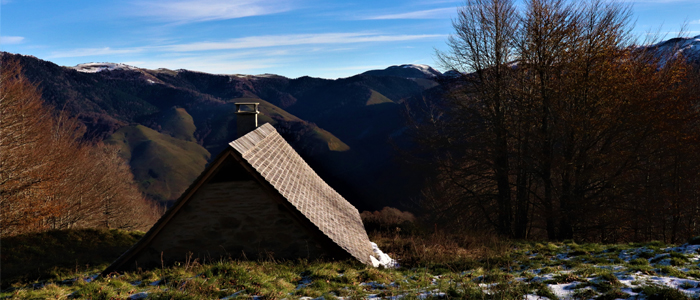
(426, 69)
(407, 71)
(268, 75)
(94, 67)
(690, 47)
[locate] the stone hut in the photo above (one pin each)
(256, 199)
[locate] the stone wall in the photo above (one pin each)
(234, 219)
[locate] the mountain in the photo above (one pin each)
(99, 67)
(688, 47)
(407, 71)
(170, 123)
(423, 75)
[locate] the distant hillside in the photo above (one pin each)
(174, 121)
(169, 123)
(164, 166)
(688, 47)
(407, 71)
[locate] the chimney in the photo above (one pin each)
(247, 117)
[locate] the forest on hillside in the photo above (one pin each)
(562, 126)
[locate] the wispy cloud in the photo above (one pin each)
(252, 42)
(694, 22)
(437, 13)
(187, 11)
(6, 40)
(296, 39)
(81, 52)
(352, 68)
(664, 35)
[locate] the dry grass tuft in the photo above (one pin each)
(450, 251)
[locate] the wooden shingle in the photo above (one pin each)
(281, 166)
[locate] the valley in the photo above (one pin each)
(169, 123)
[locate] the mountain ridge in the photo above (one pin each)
(344, 128)
(348, 129)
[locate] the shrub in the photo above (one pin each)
(613, 294)
(655, 292)
(678, 259)
(543, 290)
(565, 278)
(510, 290)
(496, 276)
(694, 240)
(94, 290)
(547, 270)
(611, 278)
(675, 261)
(389, 219)
(647, 254)
(656, 244)
(694, 273)
(659, 258)
(584, 294)
(573, 263)
(586, 271)
(671, 271)
(639, 262)
(644, 269)
(440, 250)
(688, 285)
(606, 283)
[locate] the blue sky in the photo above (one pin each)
(293, 38)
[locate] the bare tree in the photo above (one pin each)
(49, 179)
(483, 45)
(554, 115)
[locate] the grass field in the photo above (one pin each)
(434, 266)
(376, 98)
(177, 123)
(60, 254)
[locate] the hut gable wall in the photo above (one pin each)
(237, 219)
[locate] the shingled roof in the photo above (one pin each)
(271, 162)
(269, 154)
